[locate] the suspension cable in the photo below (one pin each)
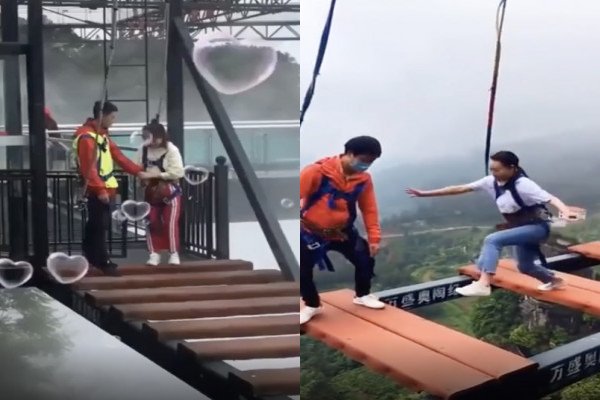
(104, 94)
(321, 54)
(163, 89)
(499, 25)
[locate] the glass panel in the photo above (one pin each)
(53, 353)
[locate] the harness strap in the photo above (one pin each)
(100, 148)
(511, 187)
(157, 163)
(176, 192)
(318, 247)
(326, 188)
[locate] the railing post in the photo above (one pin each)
(37, 131)
(222, 207)
(17, 188)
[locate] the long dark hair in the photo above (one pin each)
(158, 131)
(509, 159)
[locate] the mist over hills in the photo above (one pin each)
(565, 165)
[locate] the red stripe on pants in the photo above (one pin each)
(163, 232)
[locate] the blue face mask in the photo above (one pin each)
(360, 166)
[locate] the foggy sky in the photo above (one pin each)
(416, 74)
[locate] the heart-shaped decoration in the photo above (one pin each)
(135, 210)
(14, 274)
(287, 203)
(118, 216)
(231, 66)
(140, 139)
(195, 175)
(67, 269)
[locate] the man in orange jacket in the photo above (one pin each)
(96, 152)
(330, 191)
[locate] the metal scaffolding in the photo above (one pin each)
(180, 46)
(263, 19)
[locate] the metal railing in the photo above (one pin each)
(204, 220)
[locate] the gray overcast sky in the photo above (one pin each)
(416, 74)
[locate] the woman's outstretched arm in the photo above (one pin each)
(447, 191)
(562, 207)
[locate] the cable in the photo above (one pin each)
(322, 47)
(103, 95)
(499, 25)
(164, 82)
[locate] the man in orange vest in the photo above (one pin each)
(96, 152)
(330, 191)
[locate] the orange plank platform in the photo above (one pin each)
(417, 353)
(580, 293)
(590, 250)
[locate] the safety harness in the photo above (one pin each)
(160, 165)
(316, 243)
(527, 215)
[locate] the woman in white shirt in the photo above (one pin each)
(523, 204)
(163, 166)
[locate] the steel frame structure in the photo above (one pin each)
(264, 19)
(557, 368)
(180, 47)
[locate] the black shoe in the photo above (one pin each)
(109, 268)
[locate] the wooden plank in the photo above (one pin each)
(189, 293)
(268, 382)
(206, 309)
(455, 345)
(571, 280)
(590, 250)
(572, 297)
(245, 349)
(223, 327)
(411, 364)
(181, 279)
(186, 266)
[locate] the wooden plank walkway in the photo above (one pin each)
(417, 353)
(214, 310)
(579, 293)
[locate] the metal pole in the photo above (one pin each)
(222, 207)
(146, 78)
(17, 198)
(175, 80)
(175, 117)
(37, 132)
(239, 159)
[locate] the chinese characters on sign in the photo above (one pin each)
(574, 366)
(432, 295)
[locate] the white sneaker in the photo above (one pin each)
(474, 289)
(154, 259)
(307, 313)
(174, 259)
(557, 283)
(370, 301)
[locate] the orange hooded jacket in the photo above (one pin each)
(87, 155)
(324, 217)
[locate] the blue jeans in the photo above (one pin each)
(525, 239)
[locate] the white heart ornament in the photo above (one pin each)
(287, 203)
(134, 210)
(118, 216)
(231, 66)
(67, 269)
(195, 175)
(140, 139)
(14, 274)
